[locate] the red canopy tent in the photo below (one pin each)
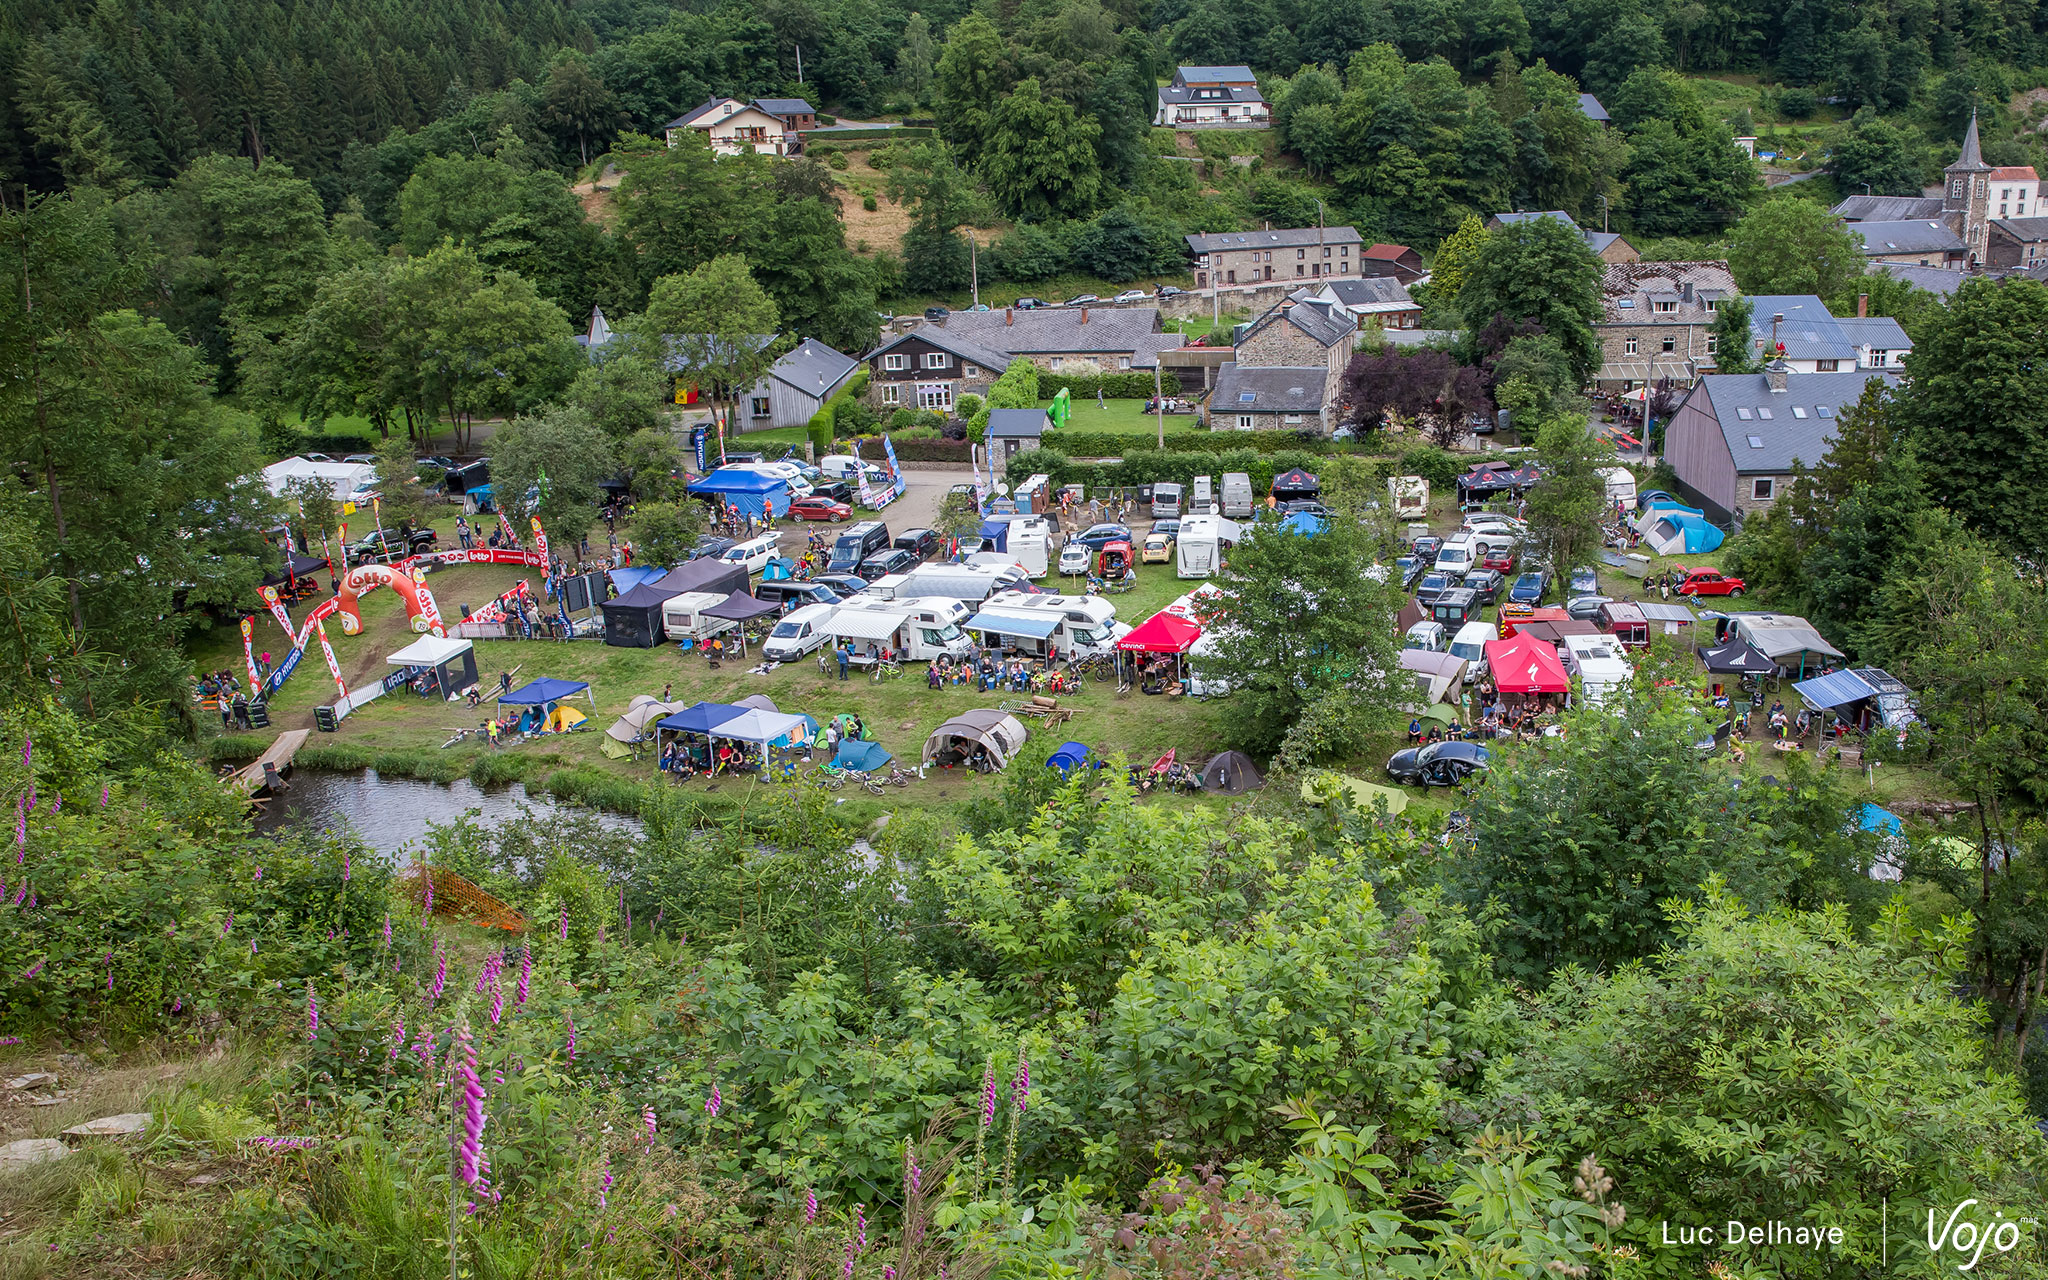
(1525, 664)
(1162, 633)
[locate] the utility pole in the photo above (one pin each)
(974, 264)
(1319, 237)
(1159, 401)
(799, 63)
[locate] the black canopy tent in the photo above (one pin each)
(721, 576)
(742, 608)
(1490, 478)
(633, 620)
(1296, 485)
(1738, 657)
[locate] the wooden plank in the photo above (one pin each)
(280, 752)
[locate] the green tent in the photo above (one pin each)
(1441, 712)
(1321, 788)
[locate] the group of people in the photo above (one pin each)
(682, 759)
(227, 691)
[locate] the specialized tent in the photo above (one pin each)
(1306, 523)
(999, 733)
(1231, 773)
(760, 727)
(450, 664)
(854, 753)
(295, 566)
(1681, 533)
(1321, 788)
(1071, 756)
(755, 493)
(633, 620)
(1295, 485)
(1526, 665)
(1440, 675)
(1737, 657)
(1489, 478)
(1161, 633)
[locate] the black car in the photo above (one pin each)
(386, 545)
(736, 456)
(1096, 536)
(1168, 291)
(1410, 568)
(1426, 548)
(844, 585)
(837, 490)
(1486, 584)
(709, 548)
(1440, 764)
(918, 542)
(1169, 526)
(936, 313)
(1431, 586)
(1030, 304)
(883, 563)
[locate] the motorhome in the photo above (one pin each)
(855, 544)
(1044, 625)
(1237, 495)
(1599, 666)
(972, 583)
(918, 631)
(1026, 540)
(799, 632)
(683, 616)
(934, 611)
(1410, 495)
(1202, 500)
(1202, 543)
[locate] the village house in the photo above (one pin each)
(1212, 98)
(1799, 330)
(1985, 216)
(1382, 297)
(929, 368)
(1227, 260)
(1288, 368)
(1733, 441)
(1012, 431)
(765, 126)
(1657, 320)
(2017, 243)
(795, 387)
(1608, 246)
(934, 364)
(1396, 260)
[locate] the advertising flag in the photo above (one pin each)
(328, 650)
(249, 655)
(277, 609)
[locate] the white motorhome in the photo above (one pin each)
(1410, 495)
(1025, 540)
(916, 631)
(1045, 625)
(935, 610)
(1237, 496)
(1597, 662)
(1203, 540)
(973, 583)
(799, 632)
(683, 616)
(1202, 498)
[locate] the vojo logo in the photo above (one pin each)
(1965, 1236)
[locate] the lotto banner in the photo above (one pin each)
(277, 609)
(505, 526)
(495, 611)
(473, 555)
(249, 655)
(327, 649)
(540, 542)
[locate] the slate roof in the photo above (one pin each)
(692, 116)
(2023, 229)
(1173, 96)
(1809, 332)
(965, 348)
(1936, 280)
(1802, 417)
(1917, 236)
(1887, 208)
(1374, 293)
(1881, 332)
(785, 106)
(1271, 388)
(1057, 330)
(813, 368)
(1591, 106)
(1288, 238)
(1022, 424)
(1597, 241)
(1326, 324)
(1214, 75)
(1627, 290)
(1972, 156)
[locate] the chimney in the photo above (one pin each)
(1009, 316)
(1685, 292)
(1862, 305)
(1774, 375)
(1084, 315)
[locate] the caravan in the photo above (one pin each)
(1024, 540)
(1050, 625)
(1410, 496)
(682, 617)
(1203, 540)
(972, 583)
(1599, 666)
(1202, 501)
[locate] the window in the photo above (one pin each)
(1663, 305)
(1879, 356)
(1798, 412)
(936, 359)
(895, 363)
(1628, 346)
(1825, 411)
(1056, 363)
(1742, 412)
(1670, 344)
(1326, 251)
(1292, 420)
(1763, 413)
(1201, 279)
(889, 390)
(1756, 442)
(938, 395)
(1247, 397)
(1626, 304)
(1346, 250)
(1955, 189)
(1233, 277)
(1827, 366)
(760, 406)
(1712, 343)
(1123, 362)
(970, 371)
(1297, 269)
(1244, 422)
(1713, 304)
(1761, 487)
(1301, 253)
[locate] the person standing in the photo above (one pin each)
(845, 653)
(462, 533)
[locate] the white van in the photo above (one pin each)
(1426, 635)
(1198, 551)
(842, 466)
(683, 616)
(1084, 625)
(1165, 501)
(800, 632)
(1459, 553)
(1410, 495)
(1202, 502)
(1237, 495)
(754, 554)
(1470, 644)
(1597, 662)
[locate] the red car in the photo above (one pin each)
(1706, 582)
(819, 509)
(1501, 558)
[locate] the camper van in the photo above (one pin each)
(840, 466)
(1237, 495)
(683, 616)
(1026, 540)
(916, 631)
(1202, 502)
(1165, 501)
(792, 595)
(1599, 666)
(934, 611)
(800, 632)
(1410, 495)
(972, 583)
(1082, 626)
(752, 555)
(1202, 544)
(855, 544)
(1470, 644)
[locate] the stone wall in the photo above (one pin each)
(1281, 343)
(1690, 342)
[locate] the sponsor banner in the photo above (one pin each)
(327, 651)
(249, 655)
(282, 672)
(277, 609)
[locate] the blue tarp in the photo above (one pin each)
(1835, 689)
(701, 718)
(1306, 523)
(1008, 625)
(636, 575)
(1872, 818)
(753, 492)
(860, 755)
(538, 693)
(1070, 756)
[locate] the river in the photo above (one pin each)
(390, 813)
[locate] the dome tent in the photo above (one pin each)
(1231, 773)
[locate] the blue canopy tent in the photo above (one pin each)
(865, 756)
(1071, 756)
(753, 492)
(635, 576)
(1306, 523)
(1882, 821)
(542, 700)
(696, 720)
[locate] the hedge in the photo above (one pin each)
(1181, 468)
(1115, 444)
(1113, 386)
(823, 423)
(923, 449)
(815, 143)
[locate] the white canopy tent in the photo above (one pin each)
(429, 651)
(341, 478)
(761, 727)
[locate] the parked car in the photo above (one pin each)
(1309, 505)
(361, 460)
(1076, 557)
(1158, 548)
(385, 545)
(1709, 582)
(1426, 547)
(1583, 582)
(1440, 764)
(737, 457)
(318, 457)
(936, 313)
(1030, 304)
(1410, 568)
(844, 585)
(1530, 586)
(817, 508)
(1131, 295)
(441, 461)
(1095, 537)
(1168, 291)
(1431, 586)
(1499, 556)
(1169, 526)
(839, 491)
(918, 542)
(1428, 635)
(1082, 300)
(1584, 607)
(1486, 584)
(883, 563)
(710, 548)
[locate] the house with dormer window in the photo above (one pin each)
(1212, 98)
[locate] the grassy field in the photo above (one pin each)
(1126, 416)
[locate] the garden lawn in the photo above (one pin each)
(1124, 416)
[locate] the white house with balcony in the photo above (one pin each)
(1212, 98)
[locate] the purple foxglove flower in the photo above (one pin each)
(32, 971)
(469, 1111)
(572, 1036)
(860, 1226)
(28, 748)
(105, 794)
(847, 1272)
(348, 865)
(525, 973)
(312, 1012)
(387, 928)
(56, 803)
(1020, 1088)
(988, 1093)
(714, 1102)
(427, 898)
(497, 1003)
(810, 1206)
(565, 924)
(259, 874)
(440, 971)
(647, 1118)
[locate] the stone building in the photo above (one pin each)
(1733, 441)
(1229, 260)
(1656, 321)
(1288, 368)
(1981, 218)
(933, 365)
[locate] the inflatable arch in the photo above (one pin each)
(419, 602)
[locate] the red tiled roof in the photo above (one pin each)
(2015, 173)
(1394, 250)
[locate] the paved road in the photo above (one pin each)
(918, 508)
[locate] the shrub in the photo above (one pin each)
(1795, 103)
(838, 161)
(867, 202)
(903, 419)
(968, 405)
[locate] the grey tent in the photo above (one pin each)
(720, 576)
(1736, 658)
(741, 607)
(1231, 773)
(757, 701)
(998, 732)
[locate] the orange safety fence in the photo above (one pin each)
(456, 898)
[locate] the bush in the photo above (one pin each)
(837, 160)
(1016, 389)
(1435, 465)
(968, 405)
(903, 419)
(1795, 103)
(868, 203)
(1140, 467)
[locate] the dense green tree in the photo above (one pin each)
(514, 219)
(916, 57)
(549, 464)
(1038, 156)
(1533, 377)
(1454, 260)
(654, 462)
(1734, 344)
(1789, 245)
(621, 393)
(715, 328)
(972, 77)
(577, 103)
(666, 532)
(1540, 271)
(1878, 155)
(1568, 506)
(1685, 175)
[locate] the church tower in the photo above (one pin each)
(1966, 195)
